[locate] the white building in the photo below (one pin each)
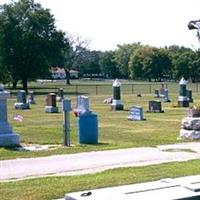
(59, 73)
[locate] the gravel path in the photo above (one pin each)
(91, 162)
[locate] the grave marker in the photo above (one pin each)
(166, 96)
(7, 136)
(136, 113)
(183, 99)
(116, 102)
(21, 101)
(31, 98)
(51, 103)
(60, 96)
(155, 106)
(82, 104)
(190, 125)
(189, 96)
(156, 93)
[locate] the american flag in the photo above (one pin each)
(18, 118)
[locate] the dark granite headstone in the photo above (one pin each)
(189, 96)
(155, 106)
(51, 99)
(156, 93)
(21, 96)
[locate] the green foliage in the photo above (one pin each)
(29, 41)
(122, 56)
(108, 65)
(149, 62)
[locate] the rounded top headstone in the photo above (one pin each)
(116, 83)
(1, 87)
(183, 82)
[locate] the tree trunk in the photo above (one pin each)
(25, 85)
(67, 72)
(14, 84)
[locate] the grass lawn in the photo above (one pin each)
(56, 187)
(115, 131)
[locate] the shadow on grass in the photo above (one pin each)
(13, 148)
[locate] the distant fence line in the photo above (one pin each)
(101, 89)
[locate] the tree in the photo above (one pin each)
(89, 63)
(122, 57)
(181, 59)
(75, 55)
(149, 62)
(29, 41)
(108, 65)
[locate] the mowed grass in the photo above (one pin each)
(56, 187)
(115, 131)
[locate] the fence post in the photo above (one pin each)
(76, 89)
(96, 89)
(150, 88)
(196, 87)
(132, 88)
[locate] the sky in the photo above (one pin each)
(106, 23)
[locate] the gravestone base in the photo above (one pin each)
(51, 109)
(135, 119)
(9, 139)
(117, 107)
(30, 101)
(166, 100)
(190, 128)
(191, 100)
(155, 111)
(22, 106)
(183, 103)
(189, 134)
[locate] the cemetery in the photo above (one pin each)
(126, 127)
(113, 129)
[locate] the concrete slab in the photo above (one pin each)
(171, 189)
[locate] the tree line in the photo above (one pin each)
(30, 44)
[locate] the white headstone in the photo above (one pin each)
(82, 104)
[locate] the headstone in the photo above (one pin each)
(183, 99)
(7, 136)
(162, 92)
(155, 106)
(189, 96)
(116, 102)
(190, 125)
(31, 98)
(156, 94)
(166, 96)
(51, 103)
(190, 128)
(136, 113)
(21, 101)
(82, 106)
(60, 96)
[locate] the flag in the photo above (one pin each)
(18, 118)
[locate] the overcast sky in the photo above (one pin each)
(106, 23)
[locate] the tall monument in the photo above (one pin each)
(7, 136)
